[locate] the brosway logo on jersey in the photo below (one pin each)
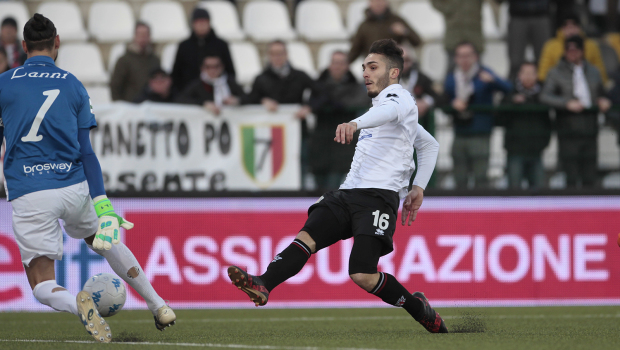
(263, 152)
(40, 168)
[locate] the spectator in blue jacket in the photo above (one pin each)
(471, 84)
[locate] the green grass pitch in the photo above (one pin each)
(322, 329)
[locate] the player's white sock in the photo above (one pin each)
(124, 263)
(58, 298)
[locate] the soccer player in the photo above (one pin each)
(51, 173)
(365, 207)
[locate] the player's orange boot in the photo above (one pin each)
(431, 319)
(251, 285)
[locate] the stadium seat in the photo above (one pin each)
(99, 95)
(434, 61)
(550, 154)
(84, 61)
(67, 18)
(18, 11)
(116, 52)
(424, 19)
(319, 20)
(495, 56)
(168, 55)
(356, 15)
(301, 58)
(498, 154)
(326, 51)
(111, 21)
(491, 28)
(445, 137)
(167, 20)
(608, 152)
(224, 19)
(266, 20)
(246, 61)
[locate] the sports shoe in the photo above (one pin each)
(91, 319)
(430, 319)
(165, 318)
(251, 285)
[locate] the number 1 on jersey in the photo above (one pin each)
(34, 129)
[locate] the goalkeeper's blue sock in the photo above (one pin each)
(286, 264)
(393, 293)
(125, 265)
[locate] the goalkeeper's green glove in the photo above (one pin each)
(108, 229)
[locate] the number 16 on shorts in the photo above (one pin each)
(381, 222)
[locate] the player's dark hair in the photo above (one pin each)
(390, 49)
(39, 33)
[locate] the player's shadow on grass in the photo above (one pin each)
(126, 337)
(468, 323)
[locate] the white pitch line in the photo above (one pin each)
(360, 318)
(375, 318)
(200, 345)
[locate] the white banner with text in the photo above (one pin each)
(155, 147)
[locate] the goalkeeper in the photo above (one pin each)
(52, 173)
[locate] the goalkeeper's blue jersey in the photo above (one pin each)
(41, 108)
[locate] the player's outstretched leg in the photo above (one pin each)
(58, 298)
(125, 265)
(430, 318)
(94, 324)
(363, 271)
(251, 285)
(284, 266)
(392, 292)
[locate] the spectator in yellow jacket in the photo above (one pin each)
(554, 49)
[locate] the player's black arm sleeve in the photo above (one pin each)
(92, 168)
(1, 135)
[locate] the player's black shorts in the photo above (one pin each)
(343, 214)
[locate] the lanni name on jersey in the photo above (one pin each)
(38, 75)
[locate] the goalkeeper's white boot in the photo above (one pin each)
(91, 319)
(165, 318)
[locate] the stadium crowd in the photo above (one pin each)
(564, 85)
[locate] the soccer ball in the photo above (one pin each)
(108, 293)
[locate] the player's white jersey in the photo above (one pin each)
(384, 154)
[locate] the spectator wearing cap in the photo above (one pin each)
(554, 48)
(8, 40)
(202, 43)
(158, 89)
(132, 70)
(573, 87)
(381, 23)
(214, 88)
(4, 61)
